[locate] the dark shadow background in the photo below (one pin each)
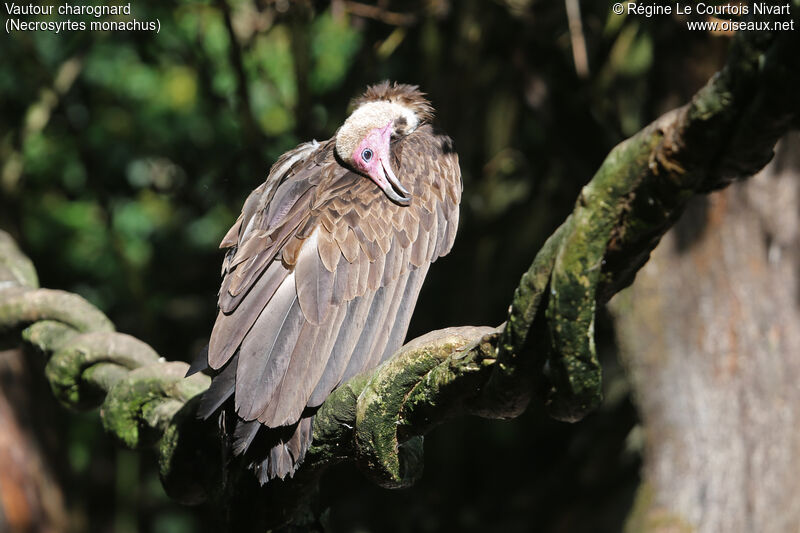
(125, 156)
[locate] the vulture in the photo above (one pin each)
(323, 269)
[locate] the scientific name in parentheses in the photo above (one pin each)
(95, 11)
(700, 8)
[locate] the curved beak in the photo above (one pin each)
(391, 185)
(379, 169)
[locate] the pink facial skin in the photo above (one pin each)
(372, 157)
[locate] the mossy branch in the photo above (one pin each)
(545, 349)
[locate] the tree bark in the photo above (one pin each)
(31, 500)
(710, 334)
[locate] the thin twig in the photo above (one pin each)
(579, 55)
(235, 54)
(382, 15)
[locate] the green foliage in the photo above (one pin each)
(333, 47)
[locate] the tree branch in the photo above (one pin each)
(545, 349)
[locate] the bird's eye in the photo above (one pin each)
(366, 155)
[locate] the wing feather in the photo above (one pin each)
(285, 408)
(232, 237)
(362, 351)
(441, 232)
(370, 248)
(376, 273)
(314, 282)
(346, 339)
(452, 226)
(363, 274)
(419, 250)
(384, 330)
(391, 263)
(230, 329)
(329, 252)
(308, 363)
(404, 312)
(430, 254)
(264, 353)
(349, 245)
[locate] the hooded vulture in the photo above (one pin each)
(323, 270)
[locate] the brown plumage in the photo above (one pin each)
(323, 270)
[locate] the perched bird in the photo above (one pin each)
(323, 270)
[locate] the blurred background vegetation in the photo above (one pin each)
(124, 158)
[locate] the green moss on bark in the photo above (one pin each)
(70, 371)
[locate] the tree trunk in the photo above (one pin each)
(30, 499)
(710, 334)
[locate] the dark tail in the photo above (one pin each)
(269, 452)
(272, 452)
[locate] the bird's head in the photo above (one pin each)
(385, 112)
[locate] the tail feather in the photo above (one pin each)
(244, 434)
(279, 462)
(300, 440)
(274, 453)
(219, 391)
(270, 452)
(200, 362)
